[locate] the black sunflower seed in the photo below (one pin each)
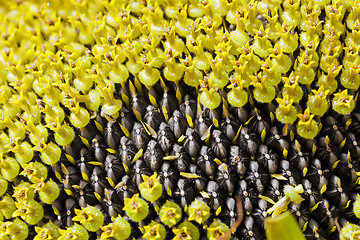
(165, 138)
(99, 181)
(168, 176)
(153, 155)
(192, 142)
(220, 144)
(153, 117)
(248, 141)
(206, 161)
(337, 192)
(114, 168)
(333, 129)
(139, 169)
(226, 178)
(268, 158)
(257, 176)
(177, 124)
(126, 188)
(69, 213)
(230, 127)
(169, 104)
(238, 160)
(188, 107)
(251, 231)
(139, 136)
(217, 196)
(138, 106)
(292, 175)
(83, 162)
(112, 135)
(84, 193)
(248, 195)
(229, 212)
(183, 158)
(317, 175)
(311, 195)
(202, 124)
(276, 141)
(201, 181)
(126, 119)
(127, 151)
(111, 203)
(184, 193)
(98, 147)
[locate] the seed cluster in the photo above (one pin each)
(143, 118)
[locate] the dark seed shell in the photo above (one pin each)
(201, 125)
(251, 230)
(220, 144)
(268, 158)
(153, 155)
(337, 192)
(177, 124)
(301, 213)
(346, 168)
(126, 119)
(290, 173)
(226, 178)
(153, 117)
(311, 195)
(83, 162)
(84, 194)
(127, 151)
(168, 176)
(259, 123)
(229, 213)
(165, 138)
(259, 213)
(248, 194)
(248, 141)
(333, 129)
(230, 127)
(126, 188)
(201, 182)
(276, 141)
(325, 214)
(257, 176)
(192, 142)
(114, 168)
(217, 196)
(138, 104)
(139, 169)
(72, 178)
(169, 103)
(326, 153)
(238, 160)
(139, 136)
(183, 158)
(352, 145)
(99, 181)
(98, 147)
(317, 175)
(112, 135)
(274, 190)
(70, 205)
(299, 158)
(185, 193)
(112, 204)
(188, 107)
(89, 132)
(206, 161)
